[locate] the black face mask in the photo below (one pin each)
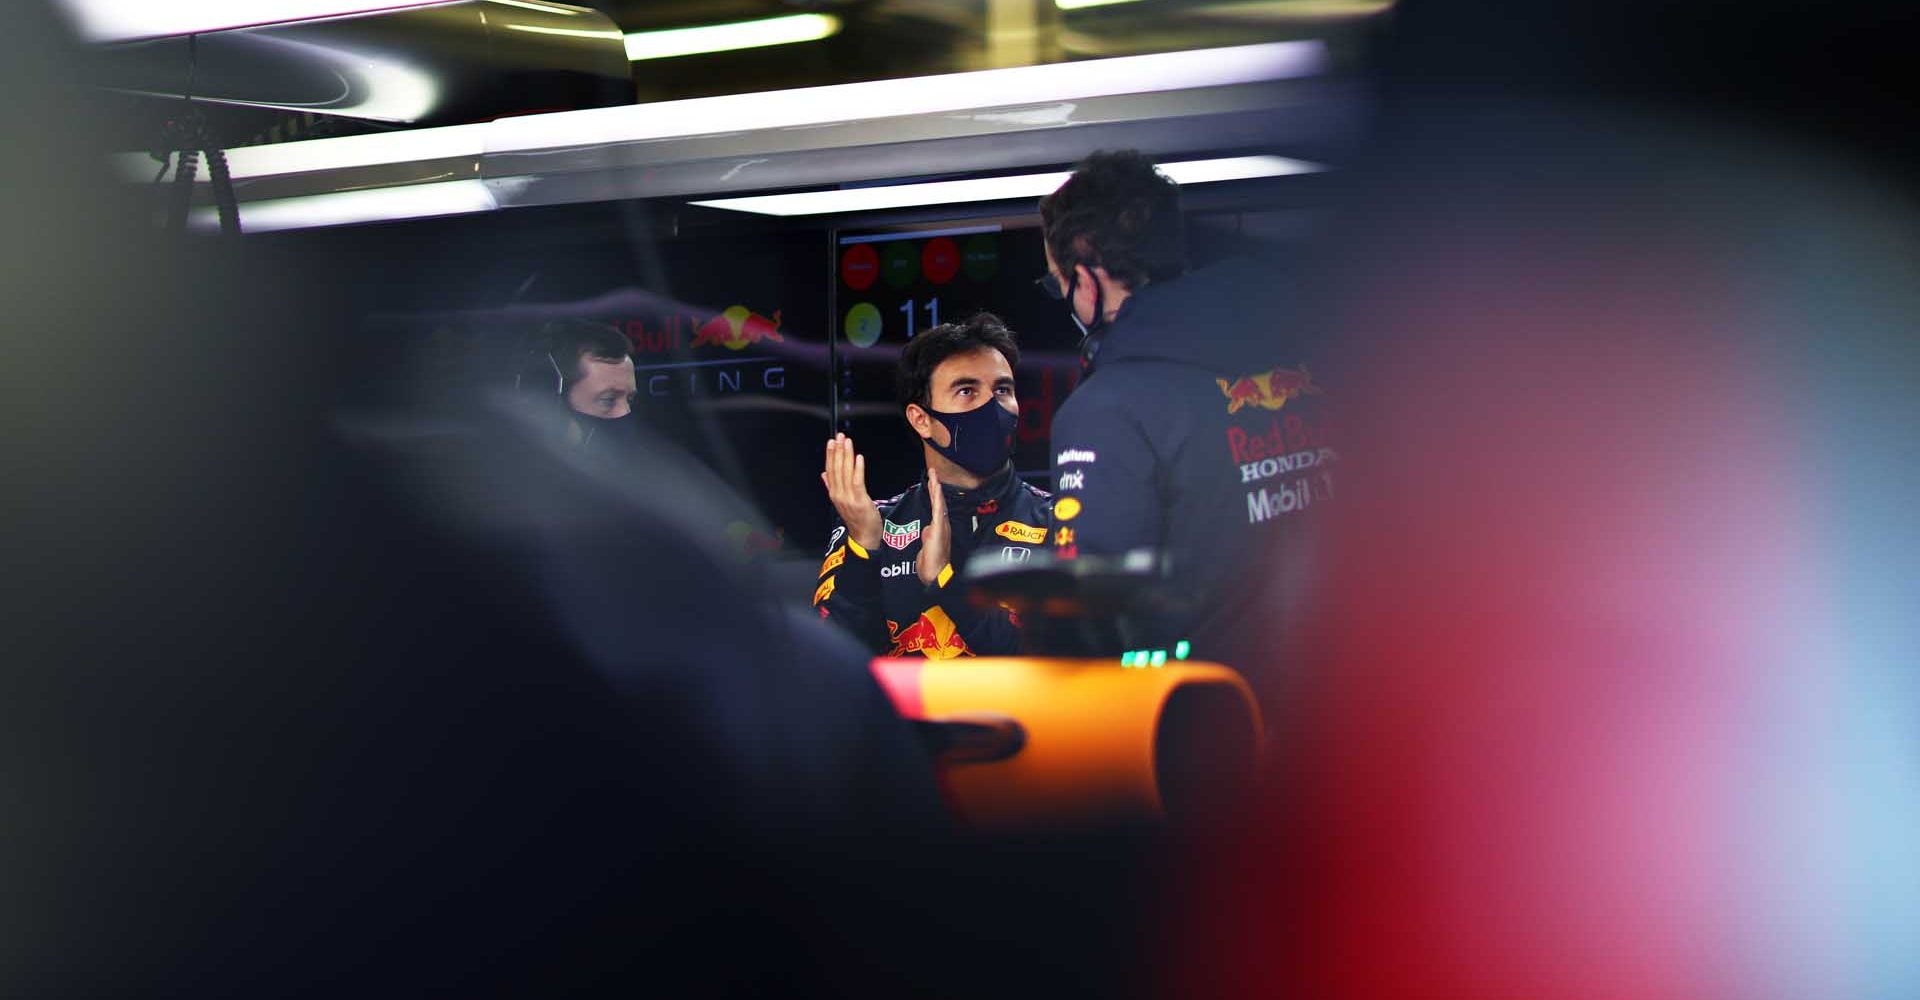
(602, 434)
(981, 438)
(1087, 330)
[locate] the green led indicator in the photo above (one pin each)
(1159, 657)
(1126, 658)
(1181, 649)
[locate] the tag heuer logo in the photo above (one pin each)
(900, 536)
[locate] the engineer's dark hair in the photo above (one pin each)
(1116, 211)
(914, 379)
(569, 342)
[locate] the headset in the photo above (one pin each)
(559, 377)
(542, 345)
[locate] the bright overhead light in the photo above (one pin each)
(868, 199)
(545, 8)
(430, 167)
(1236, 168)
(1017, 86)
(425, 145)
(1025, 85)
(344, 208)
(125, 20)
(541, 29)
(1077, 4)
(787, 30)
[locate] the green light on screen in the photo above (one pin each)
(1159, 657)
(1181, 649)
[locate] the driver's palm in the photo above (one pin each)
(845, 476)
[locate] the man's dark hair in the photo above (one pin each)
(1116, 211)
(914, 379)
(569, 342)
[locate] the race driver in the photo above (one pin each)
(889, 573)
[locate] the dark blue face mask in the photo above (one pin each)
(981, 438)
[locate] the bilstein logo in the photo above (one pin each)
(1015, 531)
(1269, 390)
(900, 536)
(736, 328)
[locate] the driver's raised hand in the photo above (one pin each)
(936, 539)
(846, 479)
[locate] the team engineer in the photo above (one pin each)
(890, 564)
(1198, 430)
(588, 367)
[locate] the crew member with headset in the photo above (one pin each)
(889, 573)
(1199, 430)
(589, 367)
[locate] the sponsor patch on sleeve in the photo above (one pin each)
(834, 560)
(825, 591)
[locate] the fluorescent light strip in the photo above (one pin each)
(867, 199)
(124, 20)
(345, 153)
(343, 208)
(1236, 168)
(918, 234)
(1019, 86)
(540, 29)
(1078, 4)
(544, 8)
(670, 43)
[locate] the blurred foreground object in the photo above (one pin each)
(1613, 694)
(1076, 744)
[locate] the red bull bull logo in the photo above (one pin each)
(1269, 390)
(736, 328)
(932, 636)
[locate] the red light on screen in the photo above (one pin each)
(940, 261)
(859, 266)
